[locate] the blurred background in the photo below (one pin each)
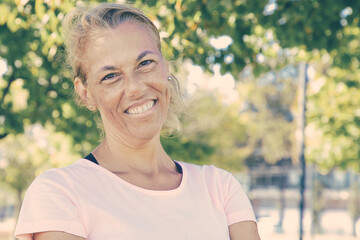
(272, 89)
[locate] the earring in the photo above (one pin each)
(91, 107)
(169, 78)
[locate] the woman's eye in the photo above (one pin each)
(145, 63)
(110, 76)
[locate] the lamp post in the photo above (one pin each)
(300, 136)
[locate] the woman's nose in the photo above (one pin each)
(134, 86)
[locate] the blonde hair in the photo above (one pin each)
(82, 24)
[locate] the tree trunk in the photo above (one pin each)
(354, 203)
(317, 207)
(281, 204)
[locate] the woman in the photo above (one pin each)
(128, 187)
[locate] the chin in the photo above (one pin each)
(146, 135)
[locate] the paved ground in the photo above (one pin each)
(287, 236)
(336, 225)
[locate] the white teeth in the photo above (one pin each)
(141, 109)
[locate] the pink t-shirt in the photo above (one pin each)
(87, 200)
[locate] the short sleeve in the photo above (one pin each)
(49, 205)
(237, 205)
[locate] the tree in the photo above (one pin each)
(211, 133)
(259, 29)
(266, 35)
(35, 88)
(24, 156)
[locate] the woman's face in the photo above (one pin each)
(127, 82)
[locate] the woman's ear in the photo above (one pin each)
(80, 88)
(83, 94)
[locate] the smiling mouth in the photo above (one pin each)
(141, 109)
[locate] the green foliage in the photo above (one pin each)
(312, 24)
(183, 149)
(268, 113)
(24, 156)
(334, 119)
(211, 133)
(38, 89)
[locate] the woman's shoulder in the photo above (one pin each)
(60, 175)
(207, 170)
(202, 167)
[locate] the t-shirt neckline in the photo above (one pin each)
(137, 188)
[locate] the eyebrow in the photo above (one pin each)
(143, 54)
(105, 68)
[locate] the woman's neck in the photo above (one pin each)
(148, 158)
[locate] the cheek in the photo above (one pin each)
(163, 87)
(161, 80)
(106, 98)
(167, 94)
(158, 82)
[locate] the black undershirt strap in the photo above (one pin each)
(178, 167)
(91, 158)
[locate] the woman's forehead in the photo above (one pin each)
(127, 38)
(131, 29)
(125, 43)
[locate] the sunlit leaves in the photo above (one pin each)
(32, 44)
(24, 156)
(267, 112)
(334, 114)
(4, 13)
(288, 33)
(211, 133)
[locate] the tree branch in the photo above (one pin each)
(6, 90)
(3, 135)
